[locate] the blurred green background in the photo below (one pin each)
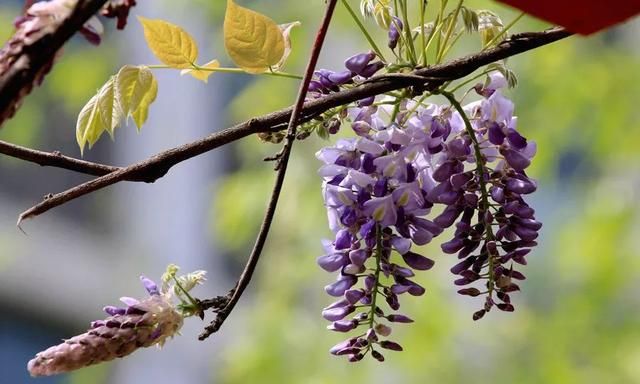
(578, 317)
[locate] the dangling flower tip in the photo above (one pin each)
(149, 285)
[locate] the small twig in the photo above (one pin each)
(58, 160)
(283, 161)
(159, 164)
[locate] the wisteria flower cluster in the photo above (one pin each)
(411, 161)
(140, 323)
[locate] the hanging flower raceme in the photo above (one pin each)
(140, 323)
(380, 187)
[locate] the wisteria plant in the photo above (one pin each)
(428, 149)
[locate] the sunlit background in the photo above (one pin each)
(576, 321)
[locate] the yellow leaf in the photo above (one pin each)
(202, 73)
(142, 112)
(171, 44)
(253, 41)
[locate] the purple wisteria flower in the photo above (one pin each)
(140, 323)
(358, 67)
(467, 165)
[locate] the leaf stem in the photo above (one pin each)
(366, 34)
(230, 70)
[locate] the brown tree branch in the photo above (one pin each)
(29, 62)
(430, 77)
(58, 160)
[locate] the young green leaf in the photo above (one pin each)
(171, 44)
(203, 72)
(141, 113)
(253, 41)
(102, 113)
(132, 84)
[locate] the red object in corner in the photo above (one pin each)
(580, 16)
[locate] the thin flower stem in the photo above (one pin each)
(481, 171)
(411, 50)
(423, 42)
(376, 276)
(440, 23)
(456, 37)
(486, 72)
(191, 299)
(366, 34)
(447, 36)
(230, 70)
(504, 31)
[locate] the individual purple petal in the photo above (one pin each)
(521, 187)
(417, 261)
(366, 101)
(452, 246)
(401, 244)
(130, 301)
(353, 295)
(342, 345)
(340, 78)
(357, 63)
(371, 69)
(397, 318)
(459, 148)
(393, 346)
(497, 194)
(112, 311)
(343, 239)
(447, 169)
(342, 325)
(469, 292)
(463, 265)
(495, 133)
(338, 313)
(448, 216)
(339, 287)
(382, 210)
(460, 180)
(332, 262)
(150, 286)
(515, 159)
(515, 139)
(399, 289)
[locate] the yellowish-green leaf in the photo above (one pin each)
(286, 34)
(102, 113)
(132, 84)
(203, 72)
(253, 41)
(142, 112)
(171, 44)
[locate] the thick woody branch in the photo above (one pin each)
(29, 62)
(430, 77)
